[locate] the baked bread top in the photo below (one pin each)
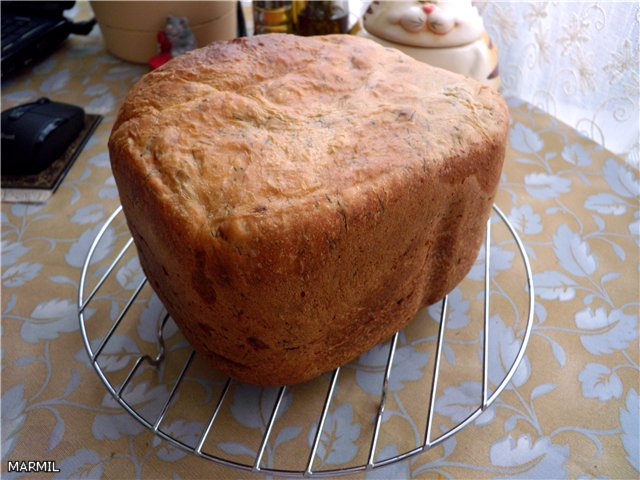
(237, 129)
(295, 200)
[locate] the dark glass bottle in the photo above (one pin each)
(321, 17)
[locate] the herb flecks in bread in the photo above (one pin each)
(295, 200)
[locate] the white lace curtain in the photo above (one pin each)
(576, 60)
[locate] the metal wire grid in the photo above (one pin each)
(428, 443)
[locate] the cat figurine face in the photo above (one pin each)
(447, 34)
(431, 24)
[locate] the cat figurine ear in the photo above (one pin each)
(448, 34)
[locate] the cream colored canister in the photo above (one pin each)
(130, 28)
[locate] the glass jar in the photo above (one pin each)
(272, 17)
(316, 17)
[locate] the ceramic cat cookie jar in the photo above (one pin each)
(449, 34)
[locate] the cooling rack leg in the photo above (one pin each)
(383, 400)
(272, 420)
(155, 361)
(436, 372)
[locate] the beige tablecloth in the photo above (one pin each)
(571, 409)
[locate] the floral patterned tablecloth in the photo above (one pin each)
(572, 409)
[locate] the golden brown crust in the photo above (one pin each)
(295, 200)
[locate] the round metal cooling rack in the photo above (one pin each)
(485, 400)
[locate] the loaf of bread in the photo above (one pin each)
(294, 201)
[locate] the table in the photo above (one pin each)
(572, 410)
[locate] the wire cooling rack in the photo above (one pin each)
(97, 346)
